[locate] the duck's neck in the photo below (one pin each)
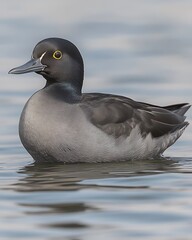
(63, 91)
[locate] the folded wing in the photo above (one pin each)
(117, 115)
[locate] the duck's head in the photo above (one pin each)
(57, 60)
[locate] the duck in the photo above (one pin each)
(59, 123)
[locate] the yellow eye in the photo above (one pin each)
(57, 54)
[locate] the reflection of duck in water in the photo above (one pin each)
(59, 177)
(59, 123)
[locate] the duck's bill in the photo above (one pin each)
(34, 65)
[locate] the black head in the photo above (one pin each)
(57, 60)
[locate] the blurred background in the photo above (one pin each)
(140, 49)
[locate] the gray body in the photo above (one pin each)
(52, 129)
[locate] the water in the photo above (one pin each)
(140, 49)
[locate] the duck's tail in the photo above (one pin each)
(179, 109)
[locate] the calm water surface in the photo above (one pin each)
(140, 49)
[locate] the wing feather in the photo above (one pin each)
(117, 115)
